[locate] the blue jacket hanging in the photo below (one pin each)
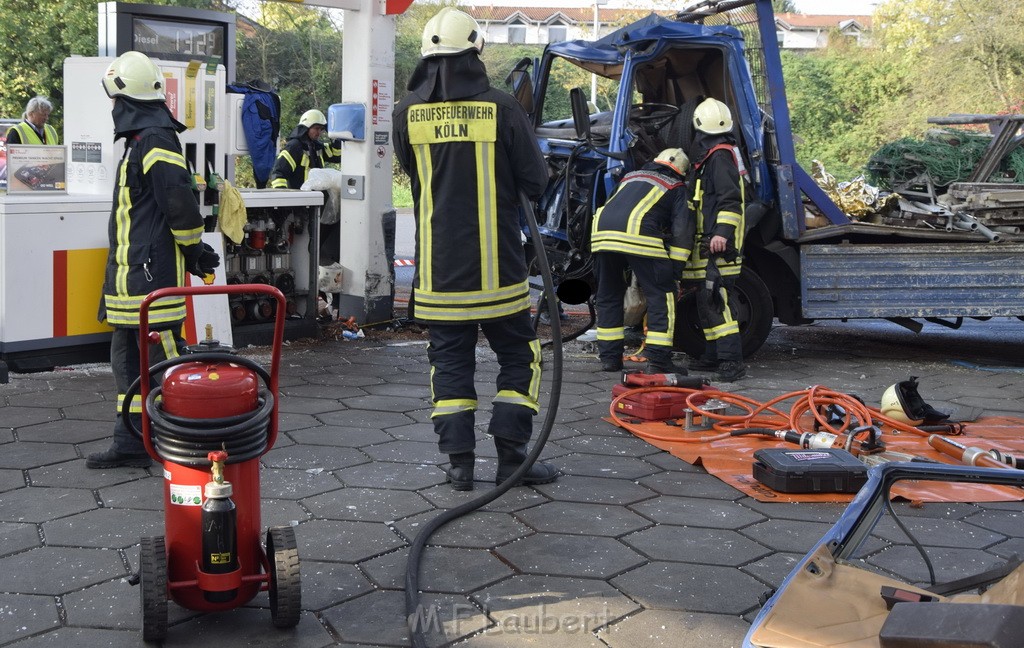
(261, 121)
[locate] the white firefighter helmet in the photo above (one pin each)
(312, 118)
(712, 117)
(135, 76)
(675, 159)
(451, 32)
(896, 405)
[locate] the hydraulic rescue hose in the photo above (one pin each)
(186, 441)
(412, 567)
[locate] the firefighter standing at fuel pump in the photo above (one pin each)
(469, 149)
(154, 236)
(304, 151)
(645, 227)
(716, 261)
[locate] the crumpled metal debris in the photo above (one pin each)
(856, 198)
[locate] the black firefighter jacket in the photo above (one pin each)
(646, 216)
(468, 150)
(155, 222)
(718, 201)
(299, 155)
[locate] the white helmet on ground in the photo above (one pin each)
(135, 76)
(712, 117)
(675, 159)
(451, 32)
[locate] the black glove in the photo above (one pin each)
(713, 287)
(203, 261)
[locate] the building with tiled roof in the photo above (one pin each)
(807, 31)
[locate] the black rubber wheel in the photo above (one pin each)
(153, 588)
(285, 581)
(751, 304)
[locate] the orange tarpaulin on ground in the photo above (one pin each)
(731, 460)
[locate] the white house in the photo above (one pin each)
(806, 31)
(542, 25)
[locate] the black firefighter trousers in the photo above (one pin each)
(452, 355)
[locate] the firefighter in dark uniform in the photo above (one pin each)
(33, 128)
(303, 151)
(717, 259)
(154, 236)
(469, 149)
(644, 227)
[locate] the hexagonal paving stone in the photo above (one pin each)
(694, 544)
(949, 563)
(26, 615)
(594, 465)
(387, 403)
(938, 533)
(670, 629)
(442, 569)
(74, 474)
(349, 542)
(18, 537)
(406, 391)
(668, 461)
(414, 432)
(570, 555)
(368, 504)
(41, 504)
(278, 512)
(624, 446)
(24, 455)
(394, 476)
(694, 588)
(344, 376)
(586, 519)
(296, 484)
(54, 398)
(104, 411)
(567, 609)
(330, 435)
(246, 627)
(328, 583)
(1013, 546)
(327, 392)
(407, 451)
(513, 500)
(690, 484)
(595, 490)
(773, 568)
(55, 571)
(114, 604)
(65, 431)
(378, 420)
(314, 406)
(301, 457)
(380, 618)
(476, 530)
(1009, 523)
(685, 511)
(16, 417)
(103, 527)
(803, 511)
(787, 535)
(11, 479)
(287, 422)
(146, 493)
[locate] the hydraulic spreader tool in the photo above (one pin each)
(208, 420)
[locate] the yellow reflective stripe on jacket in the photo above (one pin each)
(188, 237)
(29, 135)
(611, 334)
(134, 408)
(122, 228)
(279, 183)
(288, 158)
(515, 398)
(470, 297)
(425, 171)
(730, 218)
(162, 155)
(453, 406)
(664, 338)
(490, 310)
(612, 241)
(487, 215)
(678, 254)
(636, 217)
(167, 344)
(124, 310)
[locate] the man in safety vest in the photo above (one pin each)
(304, 151)
(33, 128)
(154, 237)
(469, 149)
(644, 227)
(717, 256)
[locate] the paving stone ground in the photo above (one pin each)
(630, 548)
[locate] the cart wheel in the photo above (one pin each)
(153, 588)
(285, 582)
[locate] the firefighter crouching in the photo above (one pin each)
(469, 149)
(718, 202)
(645, 227)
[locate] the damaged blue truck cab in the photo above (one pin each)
(659, 69)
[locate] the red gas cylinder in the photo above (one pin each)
(209, 390)
(201, 391)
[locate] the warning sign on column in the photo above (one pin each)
(381, 102)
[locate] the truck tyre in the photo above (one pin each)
(751, 303)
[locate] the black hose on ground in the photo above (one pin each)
(412, 567)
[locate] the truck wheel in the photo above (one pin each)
(285, 582)
(751, 303)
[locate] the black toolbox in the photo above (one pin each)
(825, 470)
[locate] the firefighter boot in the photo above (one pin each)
(659, 361)
(460, 474)
(511, 455)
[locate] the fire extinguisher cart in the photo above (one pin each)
(208, 423)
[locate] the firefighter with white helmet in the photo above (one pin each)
(469, 150)
(303, 151)
(645, 227)
(718, 200)
(154, 232)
